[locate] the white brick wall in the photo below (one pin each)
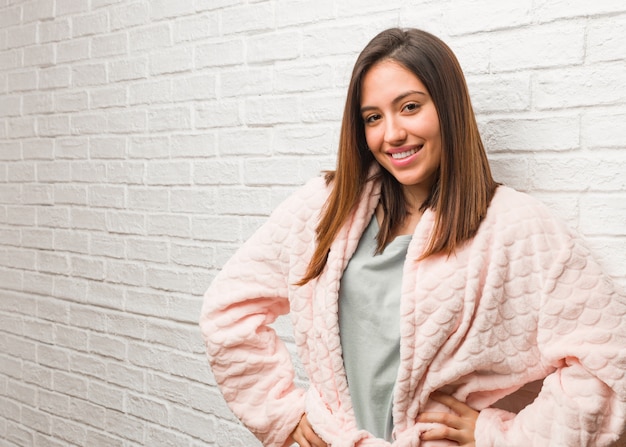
(142, 141)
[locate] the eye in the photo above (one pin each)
(371, 119)
(411, 107)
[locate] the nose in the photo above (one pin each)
(395, 133)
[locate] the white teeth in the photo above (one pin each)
(405, 154)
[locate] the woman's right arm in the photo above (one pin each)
(251, 364)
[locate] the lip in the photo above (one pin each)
(407, 160)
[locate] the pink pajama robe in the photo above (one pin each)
(520, 302)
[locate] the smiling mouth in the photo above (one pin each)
(405, 154)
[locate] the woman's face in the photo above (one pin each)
(401, 126)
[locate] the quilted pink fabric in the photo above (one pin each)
(520, 302)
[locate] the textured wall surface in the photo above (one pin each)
(142, 141)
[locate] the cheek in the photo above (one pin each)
(372, 138)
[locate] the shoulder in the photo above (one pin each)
(519, 215)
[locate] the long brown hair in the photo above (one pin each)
(464, 185)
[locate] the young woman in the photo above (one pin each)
(430, 306)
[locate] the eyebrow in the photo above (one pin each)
(396, 100)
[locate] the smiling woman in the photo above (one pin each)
(430, 305)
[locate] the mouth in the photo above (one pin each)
(407, 153)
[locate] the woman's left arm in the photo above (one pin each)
(582, 334)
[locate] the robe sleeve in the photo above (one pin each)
(582, 337)
(251, 364)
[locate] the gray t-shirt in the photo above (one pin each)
(369, 328)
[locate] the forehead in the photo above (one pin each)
(386, 78)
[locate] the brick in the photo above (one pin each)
(220, 53)
(128, 69)
(125, 223)
(37, 103)
(192, 255)
(124, 325)
(66, 7)
(90, 24)
(87, 268)
(40, 55)
(190, 423)
(88, 124)
(70, 384)
(548, 10)
(275, 46)
(87, 413)
(107, 148)
(303, 12)
(22, 80)
(70, 194)
(216, 228)
(168, 173)
(500, 92)
(176, 60)
(89, 75)
(71, 241)
(109, 45)
(109, 296)
(149, 199)
(216, 114)
(168, 119)
(543, 46)
(216, 172)
(150, 37)
(194, 87)
(127, 273)
(603, 129)
(71, 102)
(74, 148)
(191, 201)
(304, 140)
(87, 364)
(69, 288)
(21, 215)
(557, 133)
(195, 27)
(72, 338)
(124, 426)
(53, 403)
(258, 17)
(602, 215)
(69, 431)
(149, 147)
(22, 36)
(106, 395)
(106, 245)
(53, 126)
(168, 279)
(247, 82)
(100, 196)
(86, 219)
(73, 50)
(319, 108)
(125, 376)
(125, 172)
(152, 92)
(606, 39)
(162, 9)
(54, 78)
(107, 346)
(129, 15)
(148, 409)
(168, 225)
(36, 420)
(108, 97)
(561, 88)
(127, 121)
(590, 173)
(53, 357)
